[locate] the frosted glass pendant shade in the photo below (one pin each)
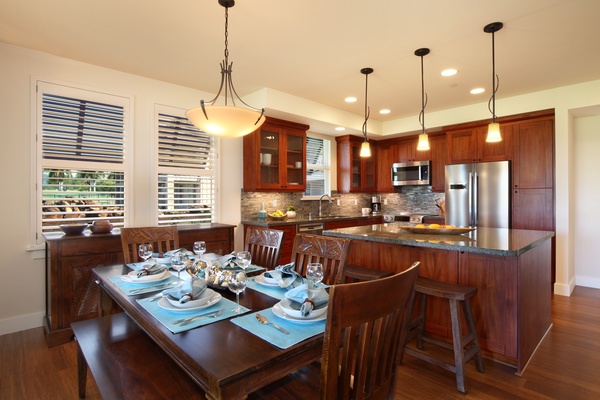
(493, 133)
(225, 121)
(423, 142)
(365, 149)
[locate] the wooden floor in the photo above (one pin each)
(565, 366)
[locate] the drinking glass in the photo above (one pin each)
(314, 273)
(237, 285)
(178, 262)
(145, 251)
(199, 248)
(243, 259)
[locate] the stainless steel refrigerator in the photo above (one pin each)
(478, 194)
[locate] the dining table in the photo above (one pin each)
(225, 358)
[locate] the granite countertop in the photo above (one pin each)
(301, 219)
(490, 241)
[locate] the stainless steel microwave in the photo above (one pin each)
(411, 173)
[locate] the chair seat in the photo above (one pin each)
(356, 272)
(443, 289)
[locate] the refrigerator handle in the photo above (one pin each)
(475, 197)
(470, 210)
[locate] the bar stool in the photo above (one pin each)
(464, 347)
(358, 273)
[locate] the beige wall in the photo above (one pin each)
(22, 287)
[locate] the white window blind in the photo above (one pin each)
(186, 171)
(82, 156)
(318, 166)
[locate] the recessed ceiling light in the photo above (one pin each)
(449, 72)
(340, 128)
(350, 99)
(384, 111)
(477, 90)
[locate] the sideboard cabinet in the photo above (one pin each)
(71, 293)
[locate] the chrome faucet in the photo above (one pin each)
(321, 201)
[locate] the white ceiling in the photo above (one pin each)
(314, 49)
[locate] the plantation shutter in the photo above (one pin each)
(318, 164)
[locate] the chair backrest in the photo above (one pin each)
(366, 324)
(163, 239)
(332, 252)
(264, 245)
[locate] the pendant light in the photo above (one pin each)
(226, 120)
(494, 127)
(365, 149)
(423, 137)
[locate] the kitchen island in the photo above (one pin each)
(510, 267)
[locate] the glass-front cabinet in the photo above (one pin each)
(355, 173)
(275, 157)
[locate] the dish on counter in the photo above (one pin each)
(164, 303)
(131, 277)
(279, 312)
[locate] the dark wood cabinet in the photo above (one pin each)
(275, 157)
(533, 164)
(438, 162)
(468, 145)
(346, 223)
(533, 209)
(355, 173)
(387, 154)
(72, 294)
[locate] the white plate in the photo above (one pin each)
(286, 306)
(132, 277)
(164, 303)
(278, 311)
(205, 298)
(260, 279)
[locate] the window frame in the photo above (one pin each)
(327, 169)
(40, 86)
(190, 172)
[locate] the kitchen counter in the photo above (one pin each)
(489, 241)
(305, 219)
(511, 269)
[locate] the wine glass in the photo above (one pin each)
(199, 248)
(237, 285)
(178, 262)
(243, 259)
(145, 251)
(314, 273)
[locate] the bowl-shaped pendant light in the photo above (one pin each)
(226, 120)
(423, 137)
(494, 127)
(365, 149)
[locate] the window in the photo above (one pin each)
(81, 156)
(186, 170)
(318, 165)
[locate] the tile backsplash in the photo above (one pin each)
(411, 199)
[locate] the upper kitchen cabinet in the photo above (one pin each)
(387, 154)
(468, 145)
(355, 173)
(533, 163)
(438, 153)
(275, 157)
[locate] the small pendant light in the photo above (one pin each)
(365, 149)
(494, 127)
(423, 137)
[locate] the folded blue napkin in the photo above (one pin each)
(305, 299)
(188, 290)
(171, 252)
(227, 261)
(151, 270)
(285, 276)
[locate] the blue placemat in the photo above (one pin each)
(273, 291)
(132, 289)
(167, 317)
(297, 332)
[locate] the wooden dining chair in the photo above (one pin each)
(264, 245)
(332, 252)
(163, 239)
(365, 329)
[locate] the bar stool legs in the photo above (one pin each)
(464, 347)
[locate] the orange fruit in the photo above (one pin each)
(435, 226)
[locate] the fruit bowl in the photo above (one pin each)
(277, 217)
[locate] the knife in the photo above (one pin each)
(186, 321)
(152, 288)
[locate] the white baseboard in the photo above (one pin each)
(587, 282)
(21, 323)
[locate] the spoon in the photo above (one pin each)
(263, 320)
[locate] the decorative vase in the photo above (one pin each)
(262, 213)
(291, 214)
